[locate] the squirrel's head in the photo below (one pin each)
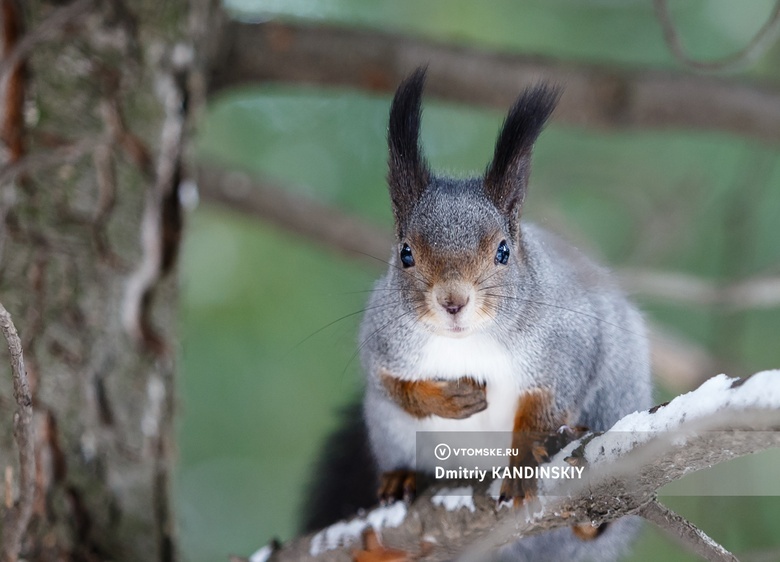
(459, 240)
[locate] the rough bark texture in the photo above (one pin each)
(72, 194)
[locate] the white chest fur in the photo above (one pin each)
(480, 357)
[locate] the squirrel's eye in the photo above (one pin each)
(406, 256)
(502, 253)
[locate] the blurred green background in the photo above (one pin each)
(261, 384)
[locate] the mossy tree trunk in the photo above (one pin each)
(94, 120)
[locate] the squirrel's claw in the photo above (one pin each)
(517, 491)
(397, 485)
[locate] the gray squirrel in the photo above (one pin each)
(483, 323)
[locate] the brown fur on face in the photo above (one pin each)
(460, 278)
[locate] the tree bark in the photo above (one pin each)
(91, 165)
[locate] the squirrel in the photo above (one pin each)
(483, 322)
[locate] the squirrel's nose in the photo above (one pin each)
(453, 308)
(454, 303)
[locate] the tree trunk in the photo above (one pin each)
(93, 124)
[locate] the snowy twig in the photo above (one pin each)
(626, 466)
(17, 517)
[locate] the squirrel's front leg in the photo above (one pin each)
(454, 399)
(537, 436)
(536, 420)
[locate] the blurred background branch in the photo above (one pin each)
(597, 95)
(679, 363)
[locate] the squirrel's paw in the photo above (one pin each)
(459, 399)
(453, 399)
(397, 485)
(517, 490)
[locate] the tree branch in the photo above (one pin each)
(756, 292)
(723, 419)
(17, 517)
(287, 208)
(301, 215)
(686, 533)
(596, 95)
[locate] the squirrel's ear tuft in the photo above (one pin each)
(408, 173)
(506, 179)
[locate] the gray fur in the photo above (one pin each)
(560, 546)
(565, 324)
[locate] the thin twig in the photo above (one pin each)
(685, 532)
(17, 518)
(759, 44)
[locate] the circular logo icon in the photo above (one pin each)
(442, 451)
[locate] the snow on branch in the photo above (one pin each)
(723, 419)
